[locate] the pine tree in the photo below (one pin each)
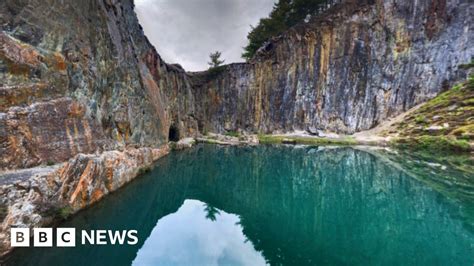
(211, 212)
(215, 60)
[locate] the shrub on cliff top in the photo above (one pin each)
(285, 14)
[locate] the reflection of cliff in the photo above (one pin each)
(297, 206)
(333, 205)
(450, 175)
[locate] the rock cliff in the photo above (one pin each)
(345, 71)
(80, 77)
(82, 88)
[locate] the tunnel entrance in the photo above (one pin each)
(173, 134)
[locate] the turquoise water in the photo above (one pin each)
(215, 205)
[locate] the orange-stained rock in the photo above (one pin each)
(47, 132)
(17, 53)
(83, 180)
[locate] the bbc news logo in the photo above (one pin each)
(66, 237)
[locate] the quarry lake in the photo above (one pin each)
(281, 205)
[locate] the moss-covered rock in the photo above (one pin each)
(445, 123)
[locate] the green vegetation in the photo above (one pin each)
(172, 145)
(3, 212)
(232, 134)
(215, 60)
(464, 132)
(210, 140)
(211, 212)
(215, 65)
(444, 99)
(285, 14)
(272, 139)
(468, 65)
(213, 72)
(55, 210)
(432, 144)
(470, 82)
(64, 212)
(445, 123)
(420, 119)
(50, 162)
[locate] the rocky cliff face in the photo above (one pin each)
(80, 84)
(345, 71)
(80, 77)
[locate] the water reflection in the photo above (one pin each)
(297, 206)
(188, 237)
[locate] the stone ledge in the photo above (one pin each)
(37, 197)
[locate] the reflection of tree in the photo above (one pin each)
(211, 212)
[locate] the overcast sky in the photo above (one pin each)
(186, 31)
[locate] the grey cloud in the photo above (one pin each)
(186, 31)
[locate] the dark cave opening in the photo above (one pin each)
(173, 134)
